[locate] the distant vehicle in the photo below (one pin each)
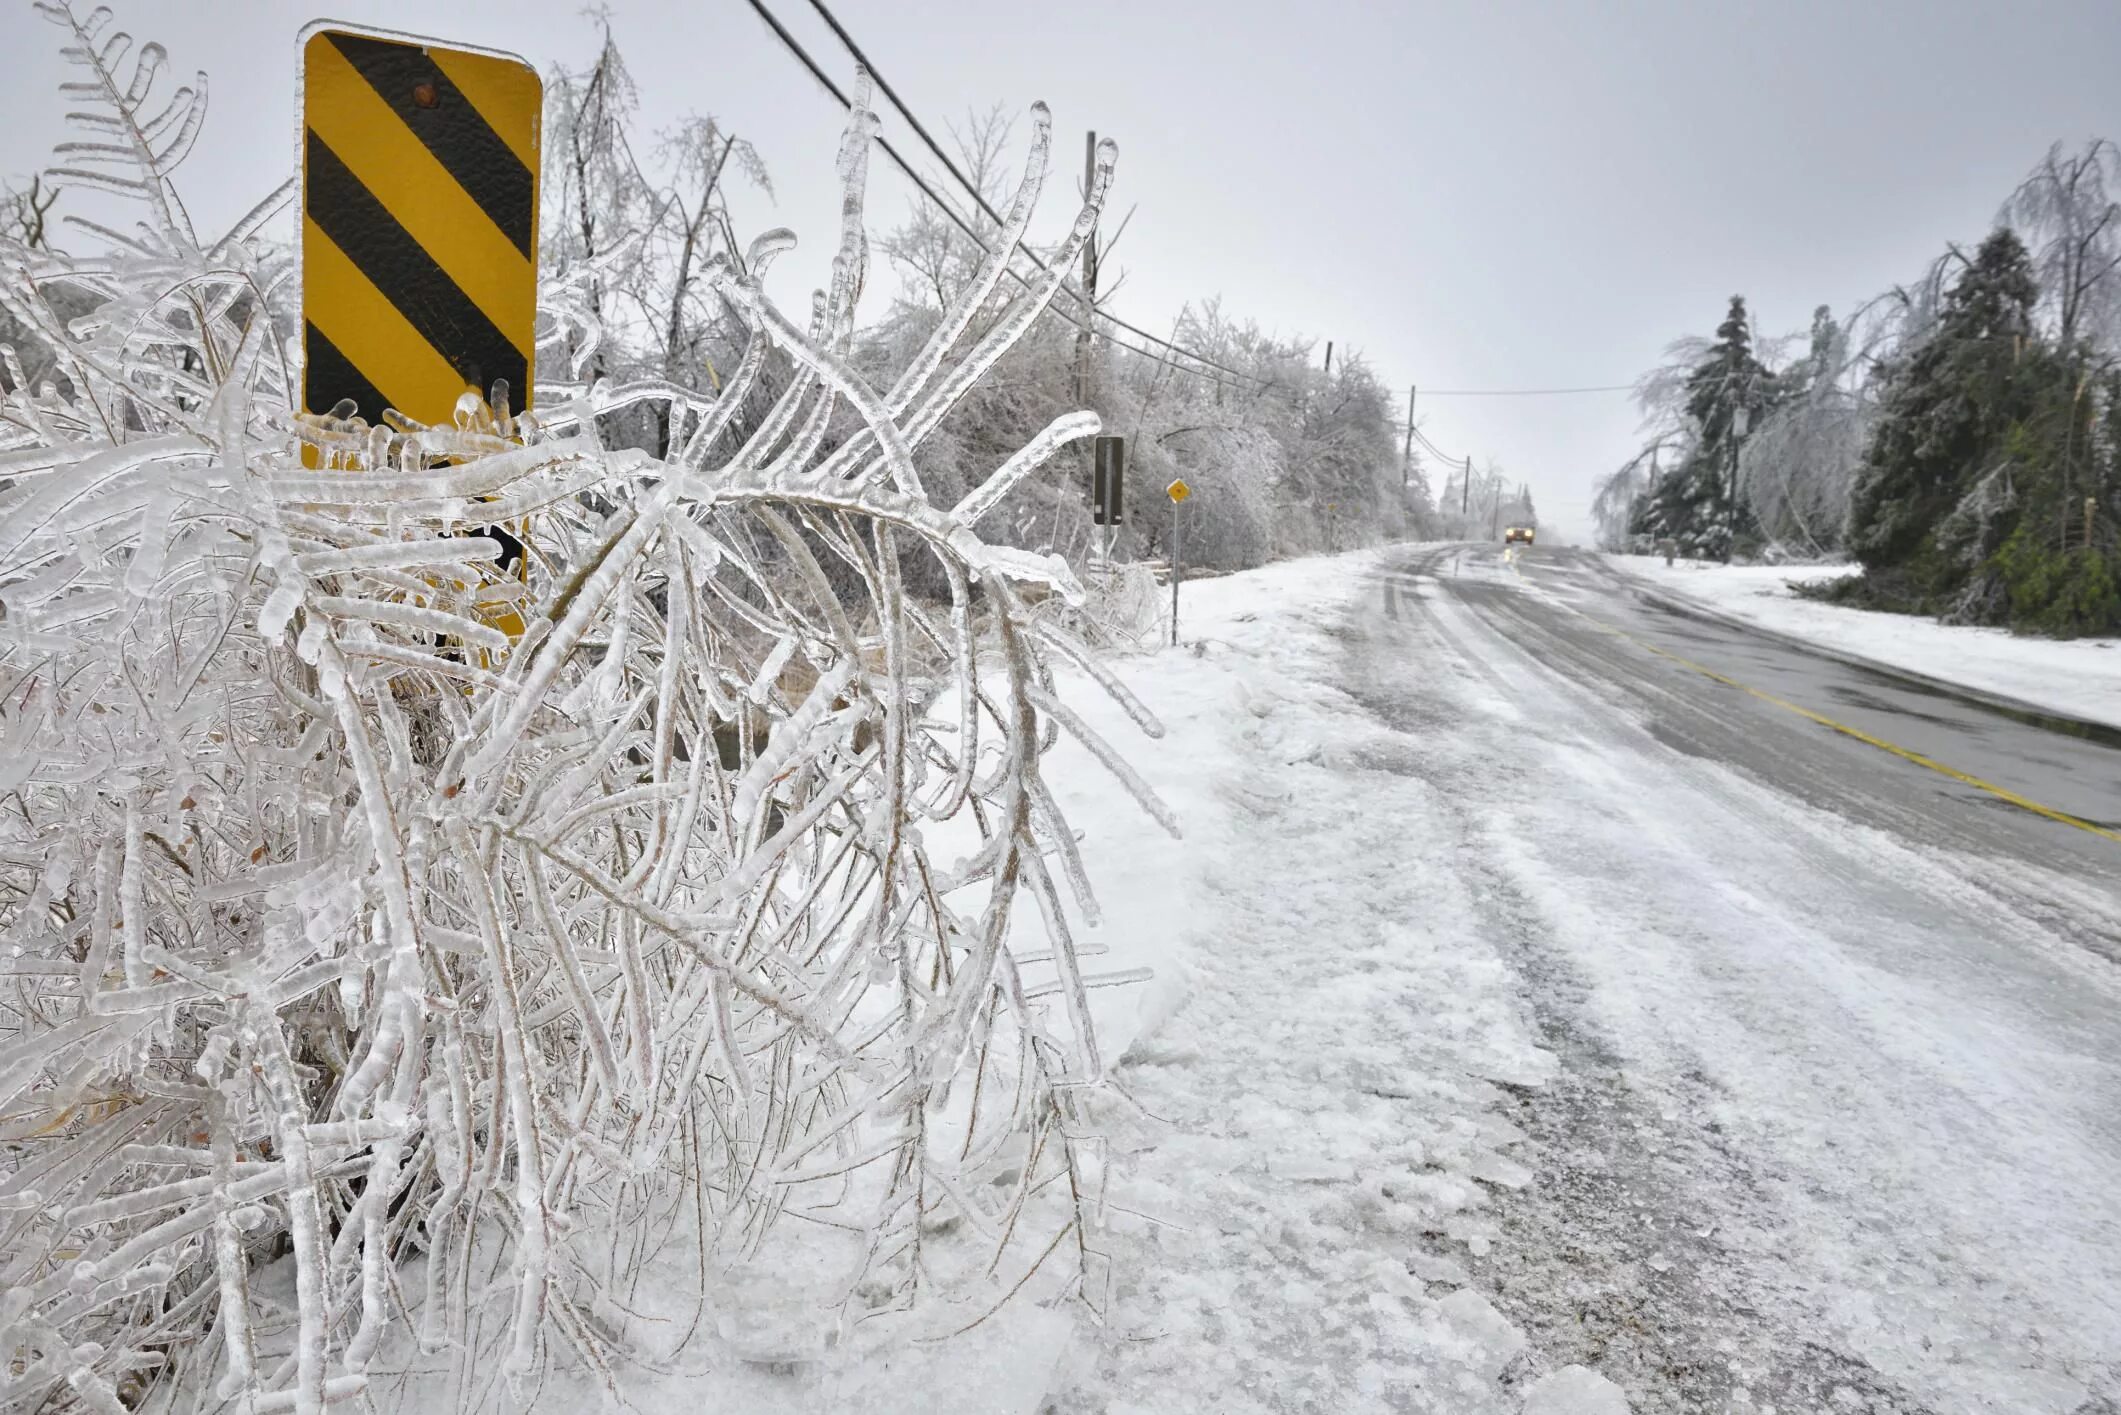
(1519, 533)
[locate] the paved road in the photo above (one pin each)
(1839, 1123)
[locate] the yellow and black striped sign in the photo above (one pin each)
(419, 225)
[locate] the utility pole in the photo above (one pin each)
(1465, 492)
(1329, 358)
(1741, 418)
(1730, 504)
(1082, 339)
(1406, 460)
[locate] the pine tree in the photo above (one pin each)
(1726, 396)
(1697, 504)
(2108, 462)
(1728, 379)
(1970, 500)
(1948, 406)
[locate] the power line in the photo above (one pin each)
(1523, 392)
(1434, 450)
(795, 47)
(980, 197)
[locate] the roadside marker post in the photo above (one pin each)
(1178, 491)
(1108, 473)
(419, 244)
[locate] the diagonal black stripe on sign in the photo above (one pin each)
(408, 277)
(455, 132)
(328, 376)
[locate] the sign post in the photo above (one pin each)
(1178, 491)
(1107, 475)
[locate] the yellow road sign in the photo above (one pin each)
(419, 224)
(1178, 491)
(419, 235)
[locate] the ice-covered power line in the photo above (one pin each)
(1434, 450)
(1211, 369)
(1524, 392)
(855, 52)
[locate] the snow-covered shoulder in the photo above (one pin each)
(2078, 678)
(1302, 1180)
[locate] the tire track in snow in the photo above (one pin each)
(1605, 1260)
(1321, 1138)
(1770, 1337)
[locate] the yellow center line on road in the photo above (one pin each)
(2001, 793)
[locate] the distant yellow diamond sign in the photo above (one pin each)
(1178, 491)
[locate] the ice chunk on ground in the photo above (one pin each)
(1574, 1390)
(1490, 1341)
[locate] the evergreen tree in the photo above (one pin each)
(1726, 395)
(1696, 504)
(2108, 461)
(1822, 358)
(1970, 500)
(1729, 379)
(1948, 407)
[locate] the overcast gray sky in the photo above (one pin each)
(1475, 196)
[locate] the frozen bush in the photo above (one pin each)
(345, 935)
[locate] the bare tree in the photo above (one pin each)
(2068, 212)
(599, 200)
(638, 239)
(27, 211)
(933, 254)
(1796, 466)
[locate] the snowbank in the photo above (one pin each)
(1318, 1065)
(2078, 678)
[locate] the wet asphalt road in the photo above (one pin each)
(1578, 600)
(1838, 1119)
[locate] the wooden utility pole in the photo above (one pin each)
(1465, 497)
(1329, 358)
(1406, 459)
(1082, 336)
(1082, 339)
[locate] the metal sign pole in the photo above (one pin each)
(1178, 565)
(1178, 491)
(1107, 503)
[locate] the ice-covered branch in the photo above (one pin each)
(435, 929)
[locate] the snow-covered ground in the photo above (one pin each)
(1319, 1065)
(1305, 1134)
(1801, 1114)
(2077, 678)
